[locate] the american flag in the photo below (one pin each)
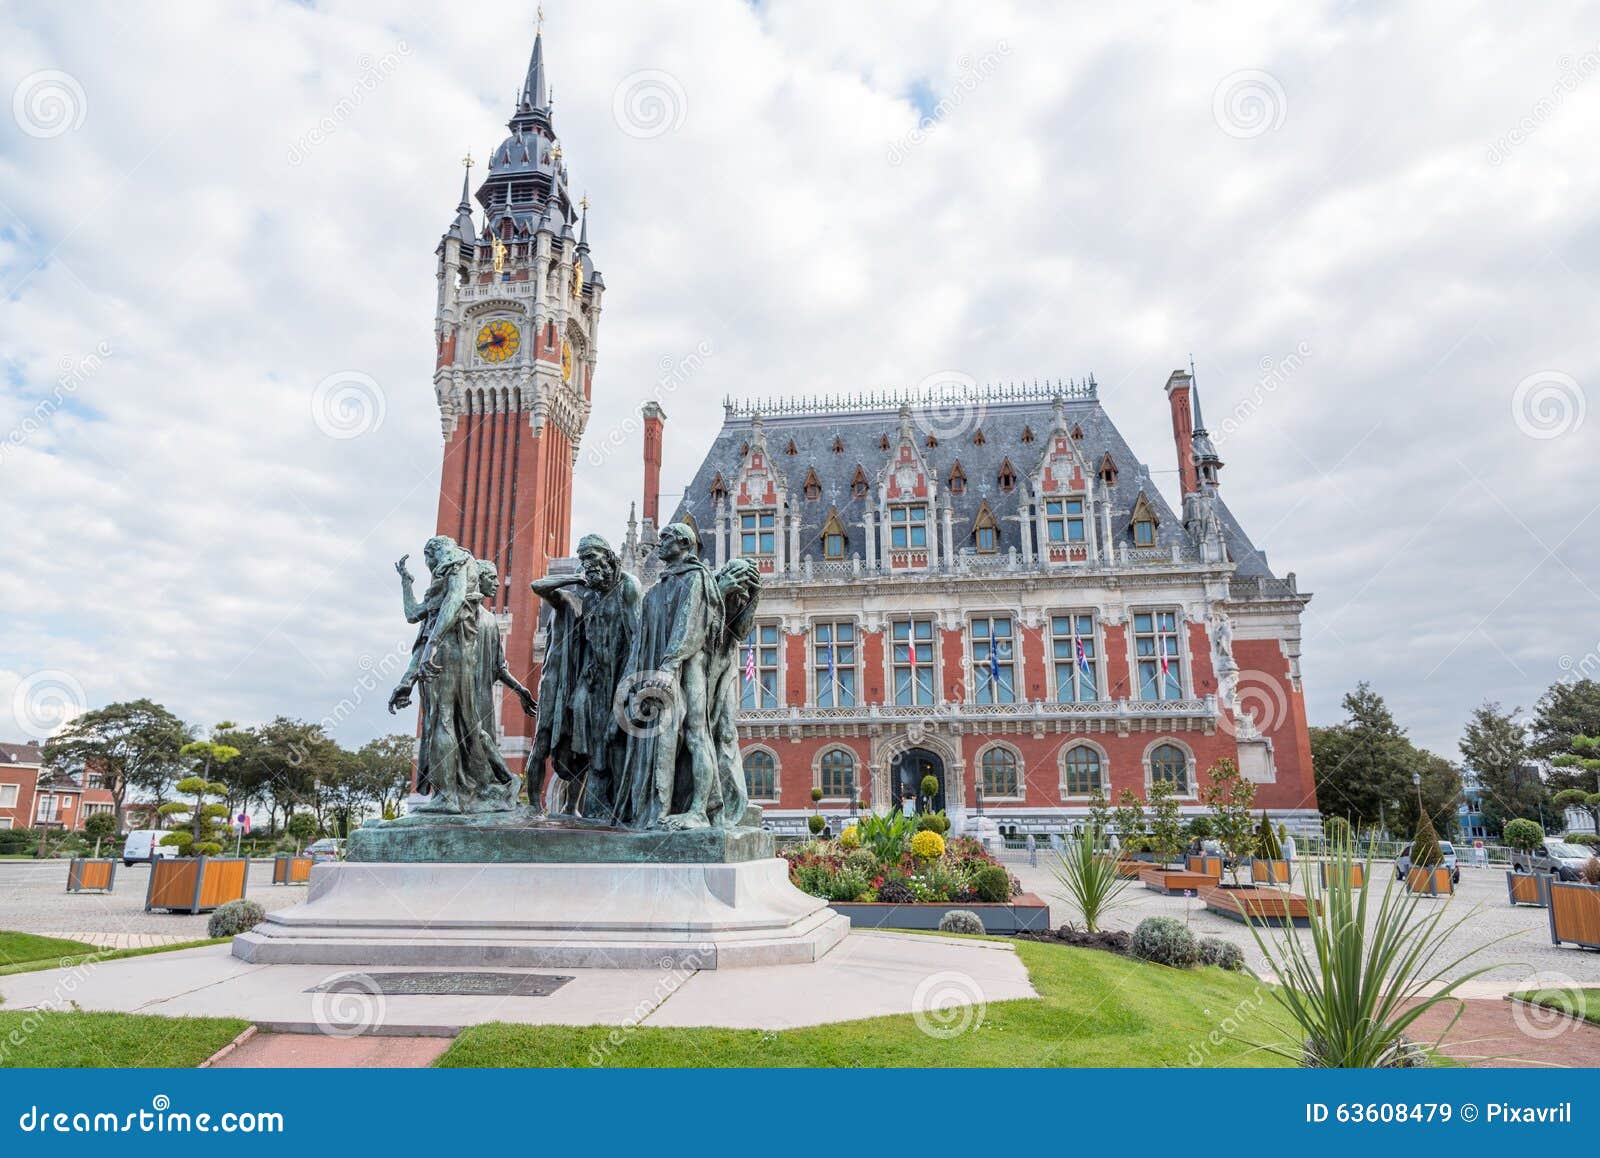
(750, 663)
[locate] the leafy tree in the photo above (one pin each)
(1523, 835)
(1128, 816)
(132, 746)
(303, 827)
(1580, 764)
(1267, 846)
(1230, 797)
(1363, 765)
(246, 774)
(294, 756)
(203, 837)
(1166, 821)
(101, 826)
(1578, 798)
(1495, 746)
(386, 765)
(1441, 795)
(1099, 815)
(1564, 711)
(1425, 850)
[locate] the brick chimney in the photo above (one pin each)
(1178, 385)
(654, 420)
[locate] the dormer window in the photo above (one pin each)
(958, 479)
(744, 450)
(813, 487)
(977, 437)
(883, 442)
(932, 442)
(838, 445)
(858, 484)
(833, 537)
(1144, 533)
(1008, 477)
(791, 449)
(758, 532)
(986, 532)
(1077, 434)
(1108, 470)
(719, 489)
(908, 527)
(1027, 434)
(1063, 520)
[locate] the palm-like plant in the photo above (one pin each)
(886, 835)
(1089, 877)
(1361, 984)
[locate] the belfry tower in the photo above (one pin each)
(517, 324)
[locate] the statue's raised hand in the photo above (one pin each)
(400, 567)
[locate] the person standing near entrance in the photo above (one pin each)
(908, 805)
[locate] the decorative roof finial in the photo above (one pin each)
(538, 18)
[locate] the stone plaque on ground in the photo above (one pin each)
(445, 984)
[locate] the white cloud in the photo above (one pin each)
(252, 199)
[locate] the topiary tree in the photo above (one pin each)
(1577, 798)
(815, 823)
(203, 837)
(930, 789)
(1229, 796)
(1425, 851)
(1199, 828)
(1523, 835)
(1267, 846)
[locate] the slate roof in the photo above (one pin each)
(859, 431)
(25, 753)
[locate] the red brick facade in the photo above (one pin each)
(58, 802)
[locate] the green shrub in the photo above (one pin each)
(886, 835)
(1267, 846)
(233, 918)
(1090, 879)
(961, 921)
(862, 860)
(1589, 839)
(847, 885)
(16, 841)
(933, 822)
(1165, 941)
(1222, 954)
(1425, 850)
(1336, 829)
(896, 892)
(1523, 835)
(992, 883)
(1199, 828)
(930, 786)
(816, 824)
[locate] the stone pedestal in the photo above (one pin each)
(525, 913)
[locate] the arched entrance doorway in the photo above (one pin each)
(906, 772)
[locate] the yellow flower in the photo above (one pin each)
(927, 845)
(850, 839)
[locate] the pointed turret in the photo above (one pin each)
(1206, 459)
(533, 88)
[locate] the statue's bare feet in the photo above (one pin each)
(679, 821)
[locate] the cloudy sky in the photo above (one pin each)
(1375, 229)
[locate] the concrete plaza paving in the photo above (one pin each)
(868, 974)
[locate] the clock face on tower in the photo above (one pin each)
(498, 340)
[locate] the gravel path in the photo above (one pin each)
(1525, 953)
(34, 899)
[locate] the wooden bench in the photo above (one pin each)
(1175, 882)
(1264, 906)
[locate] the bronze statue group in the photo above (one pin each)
(638, 698)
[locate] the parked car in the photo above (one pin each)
(144, 845)
(1402, 863)
(1558, 858)
(328, 848)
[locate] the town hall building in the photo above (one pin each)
(983, 587)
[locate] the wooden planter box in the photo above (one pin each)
(91, 875)
(292, 870)
(1263, 906)
(1528, 889)
(1129, 870)
(196, 884)
(1574, 913)
(1210, 866)
(1025, 914)
(1176, 882)
(1434, 882)
(1269, 872)
(1358, 875)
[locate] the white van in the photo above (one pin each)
(142, 847)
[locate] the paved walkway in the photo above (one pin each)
(868, 975)
(318, 1051)
(1504, 1033)
(128, 940)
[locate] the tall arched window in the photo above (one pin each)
(1080, 772)
(1000, 772)
(760, 774)
(838, 773)
(1169, 762)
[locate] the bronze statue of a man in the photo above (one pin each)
(740, 583)
(663, 703)
(593, 616)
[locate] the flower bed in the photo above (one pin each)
(959, 873)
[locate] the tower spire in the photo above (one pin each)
(466, 184)
(534, 87)
(583, 232)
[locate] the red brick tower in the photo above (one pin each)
(517, 326)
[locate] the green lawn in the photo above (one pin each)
(16, 948)
(1095, 1009)
(1584, 1003)
(110, 1040)
(90, 953)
